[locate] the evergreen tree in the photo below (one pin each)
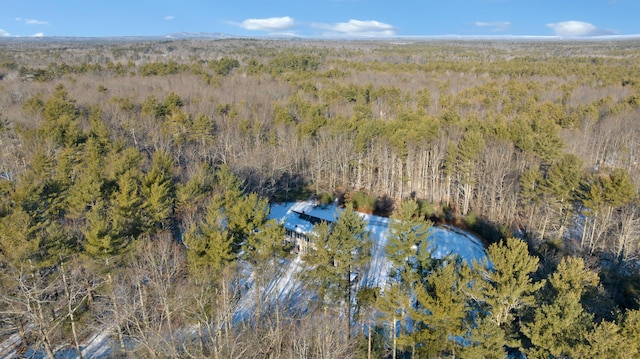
(322, 275)
(559, 326)
(101, 238)
(263, 249)
(510, 287)
(208, 243)
(407, 235)
(394, 304)
(351, 252)
(408, 250)
(245, 216)
(606, 341)
(559, 188)
(192, 195)
(339, 252)
(60, 119)
(365, 308)
(440, 310)
(563, 178)
(158, 191)
(126, 206)
(89, 184)
(630, 330)
(17, 240)
(485, 340)
(229, 185)
(600, 196)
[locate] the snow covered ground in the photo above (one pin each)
(445, 240)
(285, 285)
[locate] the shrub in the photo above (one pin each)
(427, 209)
(363, 202)
(325, 199)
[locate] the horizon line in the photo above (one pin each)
(220, 35)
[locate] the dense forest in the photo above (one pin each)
(136, 178)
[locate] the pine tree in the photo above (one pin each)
(408, 250)
(17, 240)
(563, 178)
(407, 235)
(531, 194)
(352, 252)
(365, 308)
(245, 215)
(192, 195)
(89, 182)
(562, 183)
(559, 326)
(510, 286)
(263, 249)
(208, 243)
(485, 340)
(60, 119)
(229, 185)
(606, 341)
(394, 305)
(469, 149)
(126, 207)
(101, 238)
(440, 310)
(159, 192)
(630, 330)
(322, 273)
(339, 252)
(600, 196)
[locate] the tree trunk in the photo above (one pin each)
(45, 336)
(393, 338)
(256, 285)
(369, 338)
(70, 312)
(348, 308)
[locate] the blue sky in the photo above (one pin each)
(320, 18)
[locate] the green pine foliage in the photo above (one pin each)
(158, 189)
(606, 341)
(485, 340)
(340, 251)
(101, 237)
(126, 206)
(17, 240)
(440, 310)
(407, 243)
(394, 304)
(209, 244)
(560, 325)
(630, 330)
(510, 287)
(323, 274)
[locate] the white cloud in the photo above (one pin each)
(35, 22)
(4, 33)
(269, 24)
(32, 21)
(577, 28)
(495, 25)
(40, 34)
(169, 17)
(369, 28)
